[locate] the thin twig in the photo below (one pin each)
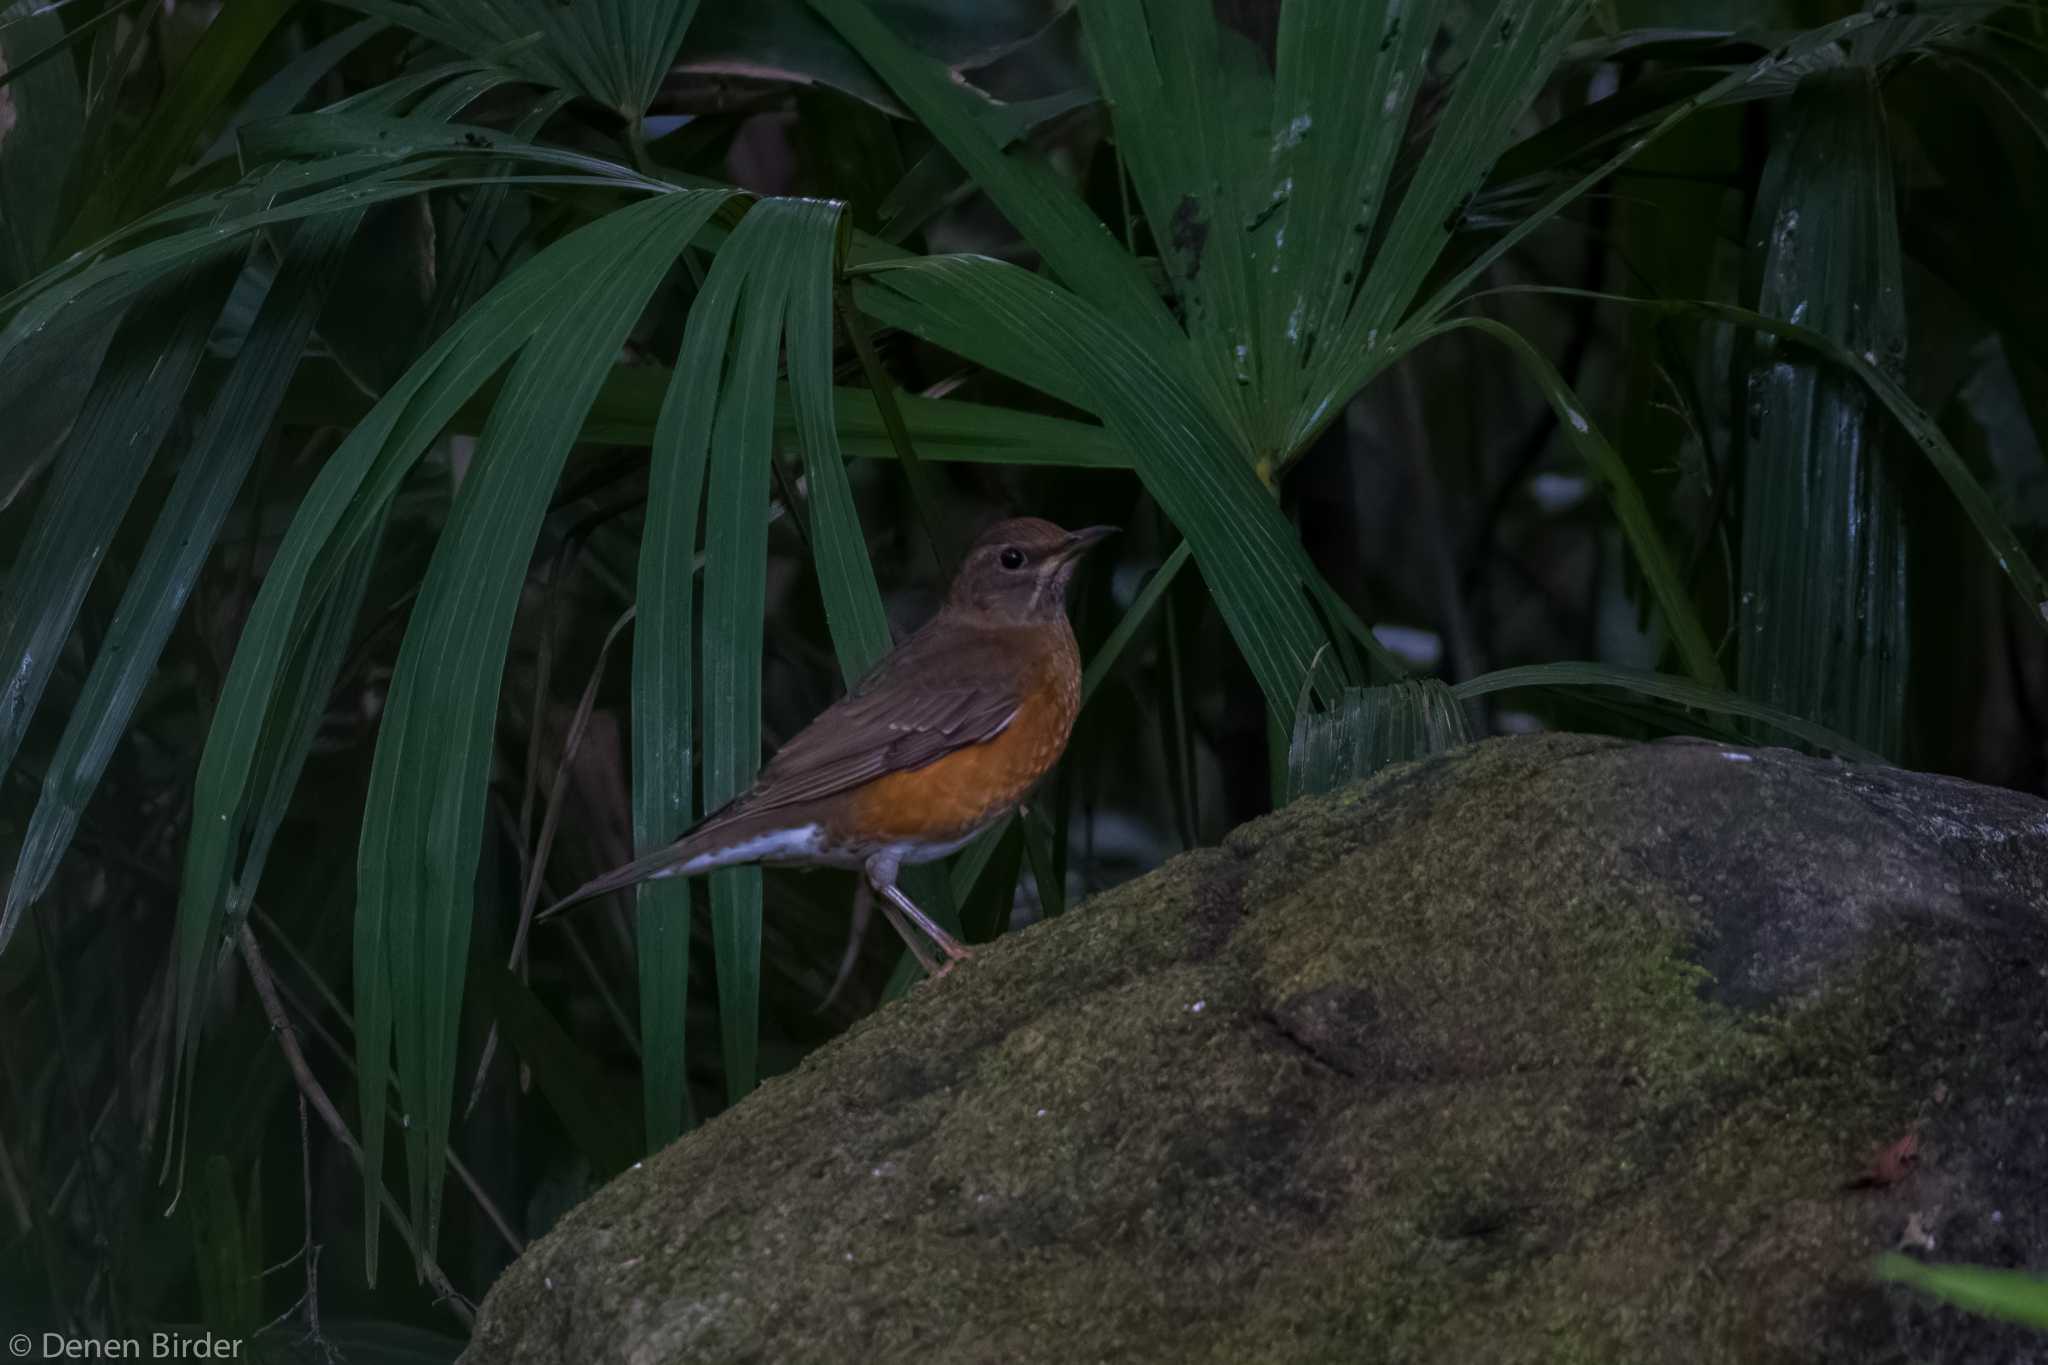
(310, 1249)
(311, 1019)
(550, 822)
(310, 1087)
(621, 930)
(543, 677)
(922, 493)
(572, 743)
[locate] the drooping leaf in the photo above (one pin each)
(1370, 728)
(344, 508)
(126, 417)
(1813, 48)
(846, 576)
(614, 51)
(1030, 194)
(664, 679)
(990, 894)
(782, 40)
(943, 429)
(1652, 556)
(735, 550)
(1661, 687)
(1822, 610)
(304, 690)
(61, 306)
(423, 831)
(1026, 326)
(224, 448)
(1921, 427)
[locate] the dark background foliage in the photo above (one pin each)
(1829, 519)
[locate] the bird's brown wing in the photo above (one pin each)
(938, 692)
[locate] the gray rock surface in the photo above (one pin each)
(1552, 1049)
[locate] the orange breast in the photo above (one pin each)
(957, 794)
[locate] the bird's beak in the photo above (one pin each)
(1079, 542)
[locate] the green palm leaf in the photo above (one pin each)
(1919, 425)
(1345, 86)
(1606, 466)
(1031, 195)
(614, 51)
(423, 833)
(126, 417)
(1515, 48)
(165, 141)
(943, 429)
(2013, 1295)
(224, 449)
(664, 674)
(1822, 612)
(1679, 692)
(995, 313)
(1190, 103)
(1370, 728)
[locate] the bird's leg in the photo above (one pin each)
(863, 910)
(952, 947)
(881, 871)
(919, 949)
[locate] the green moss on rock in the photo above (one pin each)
(1553, 1049)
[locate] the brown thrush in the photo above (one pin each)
(943, 737)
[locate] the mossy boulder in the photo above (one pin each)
(1552, 1049)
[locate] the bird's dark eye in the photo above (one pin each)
(1011, 557)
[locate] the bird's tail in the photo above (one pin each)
(720, 841)
(663, 862)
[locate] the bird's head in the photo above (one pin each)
(1018, 570)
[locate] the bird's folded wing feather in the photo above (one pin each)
(934, 695)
